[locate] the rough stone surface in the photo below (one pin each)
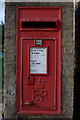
(67, 94)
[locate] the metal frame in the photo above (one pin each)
(19, 108)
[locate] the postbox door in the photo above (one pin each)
(39, 74)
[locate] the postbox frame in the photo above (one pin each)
(19, 108)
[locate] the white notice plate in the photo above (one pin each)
(38, 60)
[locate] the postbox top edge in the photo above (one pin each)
(39, 8)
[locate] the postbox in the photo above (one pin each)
(38, 60)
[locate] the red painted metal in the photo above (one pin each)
(38, 93)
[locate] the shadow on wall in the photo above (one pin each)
(77, 63)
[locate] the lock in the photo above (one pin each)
(30, 80)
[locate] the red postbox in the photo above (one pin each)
(38, 60)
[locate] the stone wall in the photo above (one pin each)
(67, 86)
